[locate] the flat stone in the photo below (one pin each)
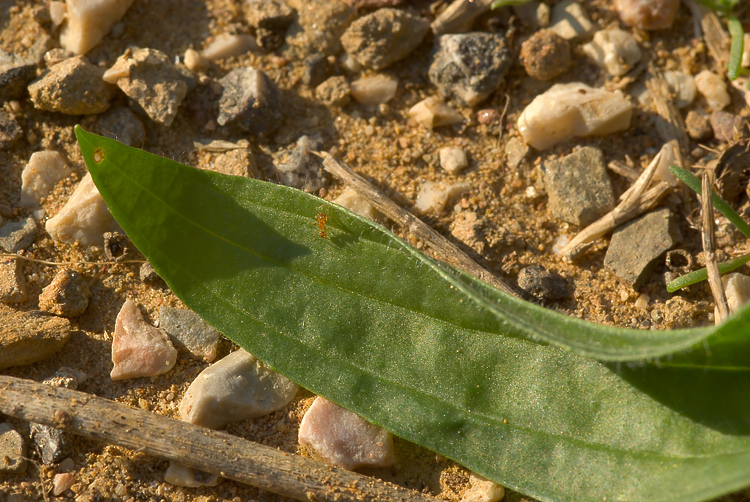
(270, 18)
(318, 27)
(545, 55)
(188, 331)
(635, 248)
(578, 186)
(345, 439)
(12, 450)
(379, 39)
(469, 67)
(28, 337)
(542, 284)
(122, 125)
(10, 130)
(298, 167)
(41, 175)
(15, 74)
(237, 387)
(12, 281)
(250, 99)
(139, 349)
(88, 22)
(569, 20)
(728, 127)
(16, 236)
(67, 295)
(73, 87)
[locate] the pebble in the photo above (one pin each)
(682, 86)
(51, 443)
(482, 490)
(335, 91)
(569, 20)
(188, 331)
(545, 55)
(344, 439)
(379, 39)
(73, 86)
(297, 167)
(10, 130)
(122, 125)
(375, 90)
(62, 482)
(433, 112)
(148, 275)
(453, 159)
(315, 70)
(654, 232)
(89, 22)
(542, 284)
(148, 77)
(728, 127)
(16, 73)
(647, 14)
(737, 289)
(697, 125)
(30, 336)
(12, 450)
(182, 475)
(616, 51)
(270, 18)
(515, 151)
(193, 60)
(534, 14)
(227, 45)
(433, 197)
(355, 203)
(139, 349)
(235, 388)
(319, 26)
(12, 281)
(251, 99)
(469, 67)
(578, 186)
(713, 88)
(41, 175)
(16, 236)
(67, 295)
(573, 110)
(84, 218)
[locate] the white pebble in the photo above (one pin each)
(194, 61)
(682, 86)
(573, 110)
(89, 21)
(570, 21)
(139, 349)
(345, 439)
(225, 46)
(614, 50)
(182, 475)
(737, 289)
(433, 197)
(40, 175)
(433, 112)
(714, 90)
(237, 387)
(641, 302)
(355, 203)
(62, 482)
(453, 159)
(373, 91)
(482, 490)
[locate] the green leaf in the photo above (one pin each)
(734, 66)
(433, 355)
(503, 3)
(701, 275)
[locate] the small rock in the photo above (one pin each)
(534, 14)
(355, 203)
(654, 233)
(482, 490)
(335, 91)
(182, 475)
(194, 61)
(682, 86)
(570, 21)
(67, 295)
(432, 112)
(433, 197)
(74, 87)
(237, 387)
(545, 55)
(139, 349)
(236, 162)
(270, 18)
(319, 26)
(10, 130)
(697, 125)
(728, 127)
(470, 66)
(251, 99)
(345, 439)
(375, 90)
(148, 275)
(51, 443)
(515, 151)
(15, 74)
(28, 337)
(16, 236)
(573, 110)
(227, 45)
(453, 159)
(89, 22)
(614, 50)
(299, 168)
(12, 450)
(542, 284)
(66, 465)
(647, 14)
(188, 331)
(41, 175)
(713, 88)
(62, 482)
(578, 186)
(379, 39)
(737, 289)
(12, 281)
(468, 227)
(122, 125)
(84, 218)
(315, 70)
(149, 78)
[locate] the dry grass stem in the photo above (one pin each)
(670, 127)
(708, 235)
(624, 170)
(717, 40)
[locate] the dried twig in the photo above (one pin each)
(444, 249)
(66, 263)
(197, 447)
(670, 127)
(624, 170)
(709, 249)
(717, 40)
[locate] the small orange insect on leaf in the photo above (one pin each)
(322, 218)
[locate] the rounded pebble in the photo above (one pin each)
(545, 55)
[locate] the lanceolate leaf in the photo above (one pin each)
(433, 355)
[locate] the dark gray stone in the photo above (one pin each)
(10, 131)
(16, 236)
(54, 444)
(122, 125)
(542, 284)
(635, 248)
(469, 67)
(250, 99)
(299, 168)
(188, 331)
(12, 450)
(74, 87)
(15, 74)
(578, 187)
(315, 69)
(270, 18)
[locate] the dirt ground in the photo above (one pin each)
(381, 143)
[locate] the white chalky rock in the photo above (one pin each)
(84, 218)
(433, 197)
(139, 349)
(345, 439)
(483, 490)
(355, 203)
(433, 112)
(573, 110)
(714, 89)
(237, 387)
(682, 86)
(226, 45)
(89, 21)
(570, 21)
(737, 289)
(40, 175)
(614, 50)
(182, 475)
(453, 159)
(372, 91)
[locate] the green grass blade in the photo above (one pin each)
(701, 275)
(734, 66)
(503, 3)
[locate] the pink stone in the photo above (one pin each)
(345, 439)
(139, 349)
(61, 482)
(647, 14)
